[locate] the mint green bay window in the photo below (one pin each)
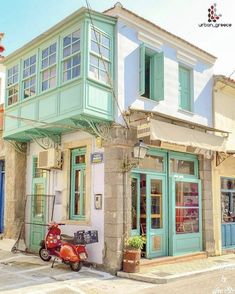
(185, 88)
(151, 74)
(78, 184)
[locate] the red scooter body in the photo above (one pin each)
(64, 248)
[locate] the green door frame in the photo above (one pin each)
(160, 235)
(169, 179)
(37, 226)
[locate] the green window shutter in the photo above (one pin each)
(184, 88)
(142, 70)
(157, 81)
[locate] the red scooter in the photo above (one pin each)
(63, 247)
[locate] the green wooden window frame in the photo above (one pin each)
(78, 197)
(29, 76)
(184, 158)
(71, 55)
(48, 67)
(156, 73)
(185, 88)
(13, 85)
(100, 56)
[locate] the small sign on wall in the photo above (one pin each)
(98, 201)
(97, 157)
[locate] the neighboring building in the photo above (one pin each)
(224, 165)
(117, 77)
(2, 149)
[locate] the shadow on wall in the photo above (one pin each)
(203, 102)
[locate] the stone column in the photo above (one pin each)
(117, 198)
(205, 168)
(15, 185)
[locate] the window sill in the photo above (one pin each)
(98, 82)
(149, 99)
(77, 222)
(188, 112)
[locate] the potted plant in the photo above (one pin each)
(132, 253)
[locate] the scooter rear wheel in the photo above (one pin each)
(44, 254)
(75, 266)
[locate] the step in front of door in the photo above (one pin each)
(172, 259)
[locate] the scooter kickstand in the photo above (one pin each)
(53, 262)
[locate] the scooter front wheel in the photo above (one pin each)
(75, 266)
(44, 254)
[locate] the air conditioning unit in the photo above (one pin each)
(50, 159)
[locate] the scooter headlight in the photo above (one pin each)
(82, 256)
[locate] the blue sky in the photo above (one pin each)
(22, 20)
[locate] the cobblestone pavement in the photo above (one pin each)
(27, 274)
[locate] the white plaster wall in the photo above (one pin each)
(128, 80)
(2, 83)
(57, 185)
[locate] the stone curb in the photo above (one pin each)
(150, 278)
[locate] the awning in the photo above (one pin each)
(170, 133)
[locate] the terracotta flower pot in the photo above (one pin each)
(131, 260)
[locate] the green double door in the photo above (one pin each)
(167, 213)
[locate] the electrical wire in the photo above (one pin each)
(104, 64)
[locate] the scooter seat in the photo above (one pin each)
(68, 239)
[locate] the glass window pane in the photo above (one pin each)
(95, 35)
(45, 63)
(67, 40)
(26, 63)
(52, 82)
(75, 71)
(52, 59)
(45, 53)
(94, 60)
(75, 36)
(77, 198)
(156, 204)
(94, 47)
(33, 59)
(26, 73)
(134, 202)
(53, 71)
(67, 51)
(227, 184)
(187, 220)
(76, 60)
(104, 52)
(104, 65)
(94, 72)
(53, 48)
(103, 76)
(33, 69)
(187, 207)
(105, 41)
(45, 75)
(75, 47)
(182, 166)
(80, 159)
(67, 64)
(67, 75)
(44, 85)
